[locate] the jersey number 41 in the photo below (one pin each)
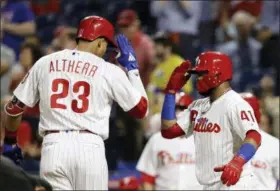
(83, 96)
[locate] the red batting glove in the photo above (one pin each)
(129, 183)
(231, 171)
(178, 78)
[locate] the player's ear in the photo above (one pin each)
(100, 42)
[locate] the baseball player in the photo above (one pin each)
(76, 89)
(226, 133)
(266, 159)
(169, 164)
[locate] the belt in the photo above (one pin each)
(66, 131)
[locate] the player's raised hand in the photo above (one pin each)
(231, 171)
(126, 56)
(178, 78)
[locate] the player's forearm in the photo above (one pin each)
(169, 127)
(23, 29)
(141, 109)
(134, 78)
(13, 109)
(13, 123)
(250, 145)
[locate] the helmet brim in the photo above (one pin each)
(197, 70)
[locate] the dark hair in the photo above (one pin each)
(166, 42)
(71, 35)
(163, 41)
(36, 50)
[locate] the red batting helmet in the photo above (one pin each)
(254, 102)
(183, 100)
(93, 27)
(216, 67)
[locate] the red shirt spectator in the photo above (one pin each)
(252, 7)
(45, 7)
(229, 7)
(24, 134)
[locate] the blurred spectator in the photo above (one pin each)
(228, 8)
(244, 52)
(269, 36)
(7, 60)
(70, 41)
(266, 123)
(17, 21)
(29, 54)
(208, 24)
(43, 7)
(148, 22)
(129, 24)
(166, 61)
(269, 19)
(64, 38)
(270, 102)
(64, 34)
(162, 157)
(181, 20)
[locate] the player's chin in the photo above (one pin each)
(206, 94)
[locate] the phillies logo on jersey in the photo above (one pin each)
(259, 164)
(193, 115)
(166, 158)
(203, 125)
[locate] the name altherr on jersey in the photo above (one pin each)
(72, 66)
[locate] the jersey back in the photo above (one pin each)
(76, 90)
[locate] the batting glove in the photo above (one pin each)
(129, 183)
(13, 152)
(126, 56)
(179, 78)
(231, 171)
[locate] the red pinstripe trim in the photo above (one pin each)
(172, 132)
(14, 107)
(254, 138)
(147, 178)
(140, 110)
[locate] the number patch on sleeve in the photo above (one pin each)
(247, 115)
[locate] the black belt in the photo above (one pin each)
(58, 131)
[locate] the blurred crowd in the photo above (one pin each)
(163, 34)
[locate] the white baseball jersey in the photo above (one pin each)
(171, 161)
(266, 162)
(218, 130)
(76, 90)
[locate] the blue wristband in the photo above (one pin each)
(247, 151)
(168, 109)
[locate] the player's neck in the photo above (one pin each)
(86, 47)
(219, 91)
